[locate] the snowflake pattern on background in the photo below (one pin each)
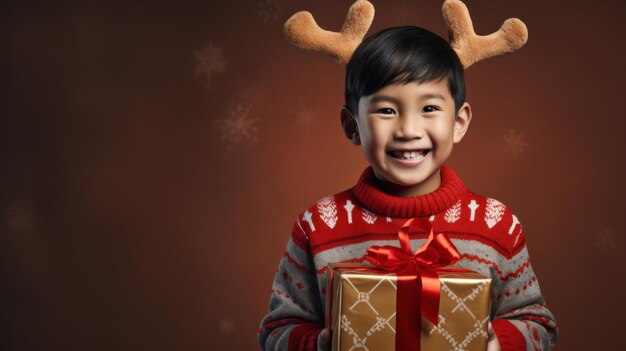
(209, 60)
(604, 240)
(305, 117)
(208, 85)
(268, 9)
(238, 125)
(255, 94)
(19, 219)
(515, 143)
(226, 326)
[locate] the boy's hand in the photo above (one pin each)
(323, 341)
(492, 343)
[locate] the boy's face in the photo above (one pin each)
(407, 133)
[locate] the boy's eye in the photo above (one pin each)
(385, 110)
(430, 108)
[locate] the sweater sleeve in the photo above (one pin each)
(522, 319)
(295, 317)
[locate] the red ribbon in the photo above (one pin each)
(419, 288)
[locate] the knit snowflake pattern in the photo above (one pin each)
(269, 9)
(328, 211)
(209, 60)
(453, 213)
(368, 216)
(226, 326)
(308, 217)
(349, 207)
(493, 212)
(238, 125)
(515, 143)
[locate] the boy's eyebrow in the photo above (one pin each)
(378, 98)
(434, 96)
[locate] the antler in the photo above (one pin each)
(472, 48)
(302, 31)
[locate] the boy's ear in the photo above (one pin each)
(349, 125)
(462, 122)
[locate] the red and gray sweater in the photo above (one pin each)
(340, 228)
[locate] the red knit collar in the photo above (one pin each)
(377, 201)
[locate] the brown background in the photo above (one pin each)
(135, 218)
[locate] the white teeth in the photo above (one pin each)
(410, 155)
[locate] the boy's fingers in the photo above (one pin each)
(490, 331)
(324, 340)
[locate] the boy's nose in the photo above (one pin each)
(409, 127)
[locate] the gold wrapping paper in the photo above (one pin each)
(363, 307)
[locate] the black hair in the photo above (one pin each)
(402, 55)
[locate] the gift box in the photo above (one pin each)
(418, 302)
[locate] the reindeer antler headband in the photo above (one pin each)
(302, 31)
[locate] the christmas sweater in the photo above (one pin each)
(341, 227)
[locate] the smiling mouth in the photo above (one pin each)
(408, 155)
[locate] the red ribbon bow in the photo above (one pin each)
(418, 282)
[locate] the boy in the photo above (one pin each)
(405, 107)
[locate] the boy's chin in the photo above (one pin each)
(405, 184)
(408, 183)
(407, 179)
